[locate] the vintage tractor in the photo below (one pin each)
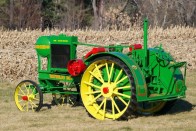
(111, 84)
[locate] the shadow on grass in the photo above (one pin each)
(175, 108)
(181, 106)
(178, 107)
(47, 106)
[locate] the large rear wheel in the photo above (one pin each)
(107, 89)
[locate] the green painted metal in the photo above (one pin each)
(139, 79)
(157, 76)
(162, 73)
(51, 79)
(145, 42)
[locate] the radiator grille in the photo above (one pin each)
(60, 55)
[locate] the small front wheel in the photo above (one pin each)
(28, 96)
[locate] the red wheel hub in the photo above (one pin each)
(25, 98)
(105, 90)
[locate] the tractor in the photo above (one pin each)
(111, 84)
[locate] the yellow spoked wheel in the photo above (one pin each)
(106, 88)
(28, 96)
(149, 108)
(62, 99)
(59, 99)
(67, 99)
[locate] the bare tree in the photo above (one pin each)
(20, 14)
(98, 7)
(72, 14)
(11, 13)
(28, 14)
(168, 12)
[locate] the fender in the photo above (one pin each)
(140, 83)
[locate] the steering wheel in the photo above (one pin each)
(162, 57)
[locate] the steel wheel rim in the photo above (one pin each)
(26, 97)
(108, 92)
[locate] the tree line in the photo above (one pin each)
(95, 14)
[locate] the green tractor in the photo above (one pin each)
(111, 84)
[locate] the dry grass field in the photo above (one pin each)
(181, 117)
(18, 62)
(18, 57)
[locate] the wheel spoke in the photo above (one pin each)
(21, 90)
(117, 93)
(95, 75)
(20, 100)
(113, 110)
(101, 105)
(34, 94)
(31, 106)
(33, 103)
(124, 87)
(35, 99)
(93, 92)
(27, 103)
(119, 74)
(23, 106)
(95, 99)
(107, 70)
(93, 85)
(70, 100)
(122, 79)
(123, 101)
(104, 108)
(111, 70)
(33, 90)
(26, 89)
(99, 72)
(115, 104)
(63, 100)
(20, 95)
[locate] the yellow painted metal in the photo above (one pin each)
(24, 90)
(102, 104)
(42, 46)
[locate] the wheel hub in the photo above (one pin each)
(25, 98)
(102, 88)
(108, 89)
(105, 90)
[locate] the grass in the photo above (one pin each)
(181, 117)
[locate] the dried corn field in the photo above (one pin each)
(18, 57)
